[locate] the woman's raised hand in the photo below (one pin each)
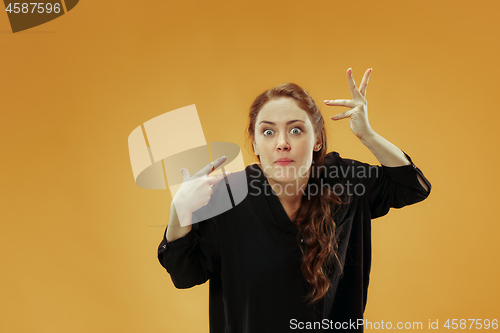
(196, 190)
(358, 104)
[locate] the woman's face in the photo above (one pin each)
(284, 140)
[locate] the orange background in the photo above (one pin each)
(78, 237)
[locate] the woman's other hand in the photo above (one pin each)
(196, 190)
(358, 113)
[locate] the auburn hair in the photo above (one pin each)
(314, 219)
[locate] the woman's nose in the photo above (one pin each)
(283, 144)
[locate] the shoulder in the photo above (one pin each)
(333, 159)
(346, 169)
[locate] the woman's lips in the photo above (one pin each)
(284, 163)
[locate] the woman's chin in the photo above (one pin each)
(284, 178)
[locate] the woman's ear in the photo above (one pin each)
(255, 148)
(317, 146)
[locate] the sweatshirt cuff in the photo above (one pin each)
(407, 175)
(175, 244)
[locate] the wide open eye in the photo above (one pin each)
(267, 132)
(296, 130)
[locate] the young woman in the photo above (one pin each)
(296, 252)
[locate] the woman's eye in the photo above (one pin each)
(268, 132)
(296, 130)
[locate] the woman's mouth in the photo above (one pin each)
(284, 161)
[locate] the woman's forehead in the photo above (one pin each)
(281, 111)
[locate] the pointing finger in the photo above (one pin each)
(217, 178)
(211, 167)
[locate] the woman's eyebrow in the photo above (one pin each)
(288, 122)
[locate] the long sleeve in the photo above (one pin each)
(191, 260)
(390, 187)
